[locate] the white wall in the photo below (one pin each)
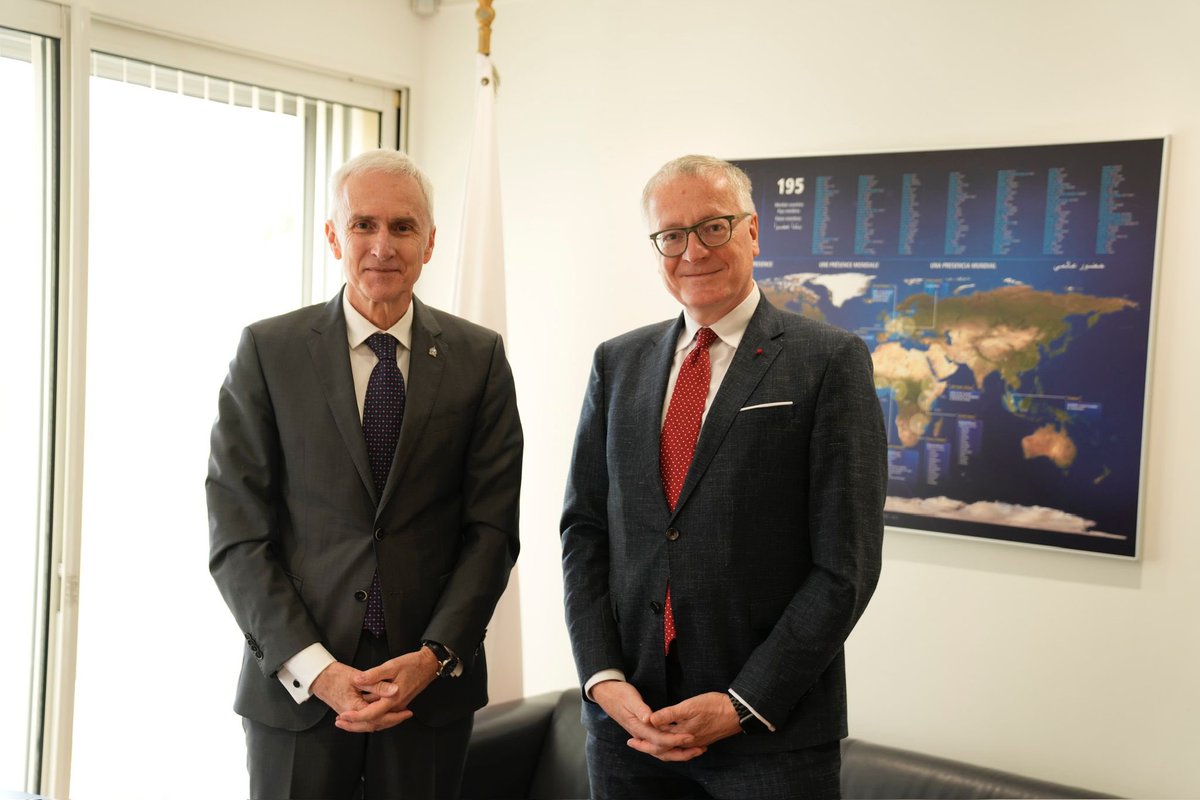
(1069, 667)
(378, 39)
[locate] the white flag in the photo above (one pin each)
(479, 282)
(479, 296)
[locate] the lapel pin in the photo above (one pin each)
(758, 352)
(433, 352)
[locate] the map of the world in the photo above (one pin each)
(1005, 295)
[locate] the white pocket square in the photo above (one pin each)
(766, 405)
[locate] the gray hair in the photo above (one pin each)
(391, 162)
(701, 167)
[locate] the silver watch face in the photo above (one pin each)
(447, 664)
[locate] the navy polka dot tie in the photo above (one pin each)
(679, 434)
(383, 414)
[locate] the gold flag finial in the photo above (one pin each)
(485, 15)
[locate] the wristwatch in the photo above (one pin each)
(447, 661)
(746, 718)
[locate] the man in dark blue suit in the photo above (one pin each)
(723, 521)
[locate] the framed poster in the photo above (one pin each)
(1005, 294)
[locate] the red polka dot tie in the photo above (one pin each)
(679, 434)
(383, 414)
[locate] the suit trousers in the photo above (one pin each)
(409, 760)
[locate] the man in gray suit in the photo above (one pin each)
(723, 521)
(362, 492)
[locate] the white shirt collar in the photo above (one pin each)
(359, 328)
(729, 328)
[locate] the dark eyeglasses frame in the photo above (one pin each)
(732, 219)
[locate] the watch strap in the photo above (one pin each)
(746, 718)
(447, 661)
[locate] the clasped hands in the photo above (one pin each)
(675, 733)
(377, 698)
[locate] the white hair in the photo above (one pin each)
(701, 167)
(391, 162)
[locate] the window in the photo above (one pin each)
(28, 211)
(206, 198)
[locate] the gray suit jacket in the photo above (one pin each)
(296, 528)
(774, 547)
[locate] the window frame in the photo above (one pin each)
(45, 22)
(79, 33)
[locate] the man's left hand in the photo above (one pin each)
(708, 717)
(409, 673)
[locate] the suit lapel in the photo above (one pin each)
(760, 346)
(648, 402)
(330, 352)
(426, 366)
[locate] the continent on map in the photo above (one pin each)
(793, 297)
(1050, 442)
(1003, 330)
(795, 292)
(916, 378)
(997, 513)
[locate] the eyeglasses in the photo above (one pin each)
(712, 232)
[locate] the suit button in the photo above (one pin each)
(655, 607)
(672, 534)
(360, 596)
(378, 534)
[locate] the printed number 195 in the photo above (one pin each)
(791, 185)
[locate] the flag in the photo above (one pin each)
(480, 297)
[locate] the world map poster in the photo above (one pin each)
(1005, 295)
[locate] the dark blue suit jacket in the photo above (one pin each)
(779, 525)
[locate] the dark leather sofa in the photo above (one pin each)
(533, 748)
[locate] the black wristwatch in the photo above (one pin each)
(447, 661)
(746, 718)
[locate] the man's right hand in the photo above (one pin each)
(624, 704)
(336, 688)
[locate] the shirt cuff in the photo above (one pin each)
(299, 671)
(602, 675)
(750, 708)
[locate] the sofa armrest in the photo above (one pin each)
(562, 771)
(871, 771)
(506, 745)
